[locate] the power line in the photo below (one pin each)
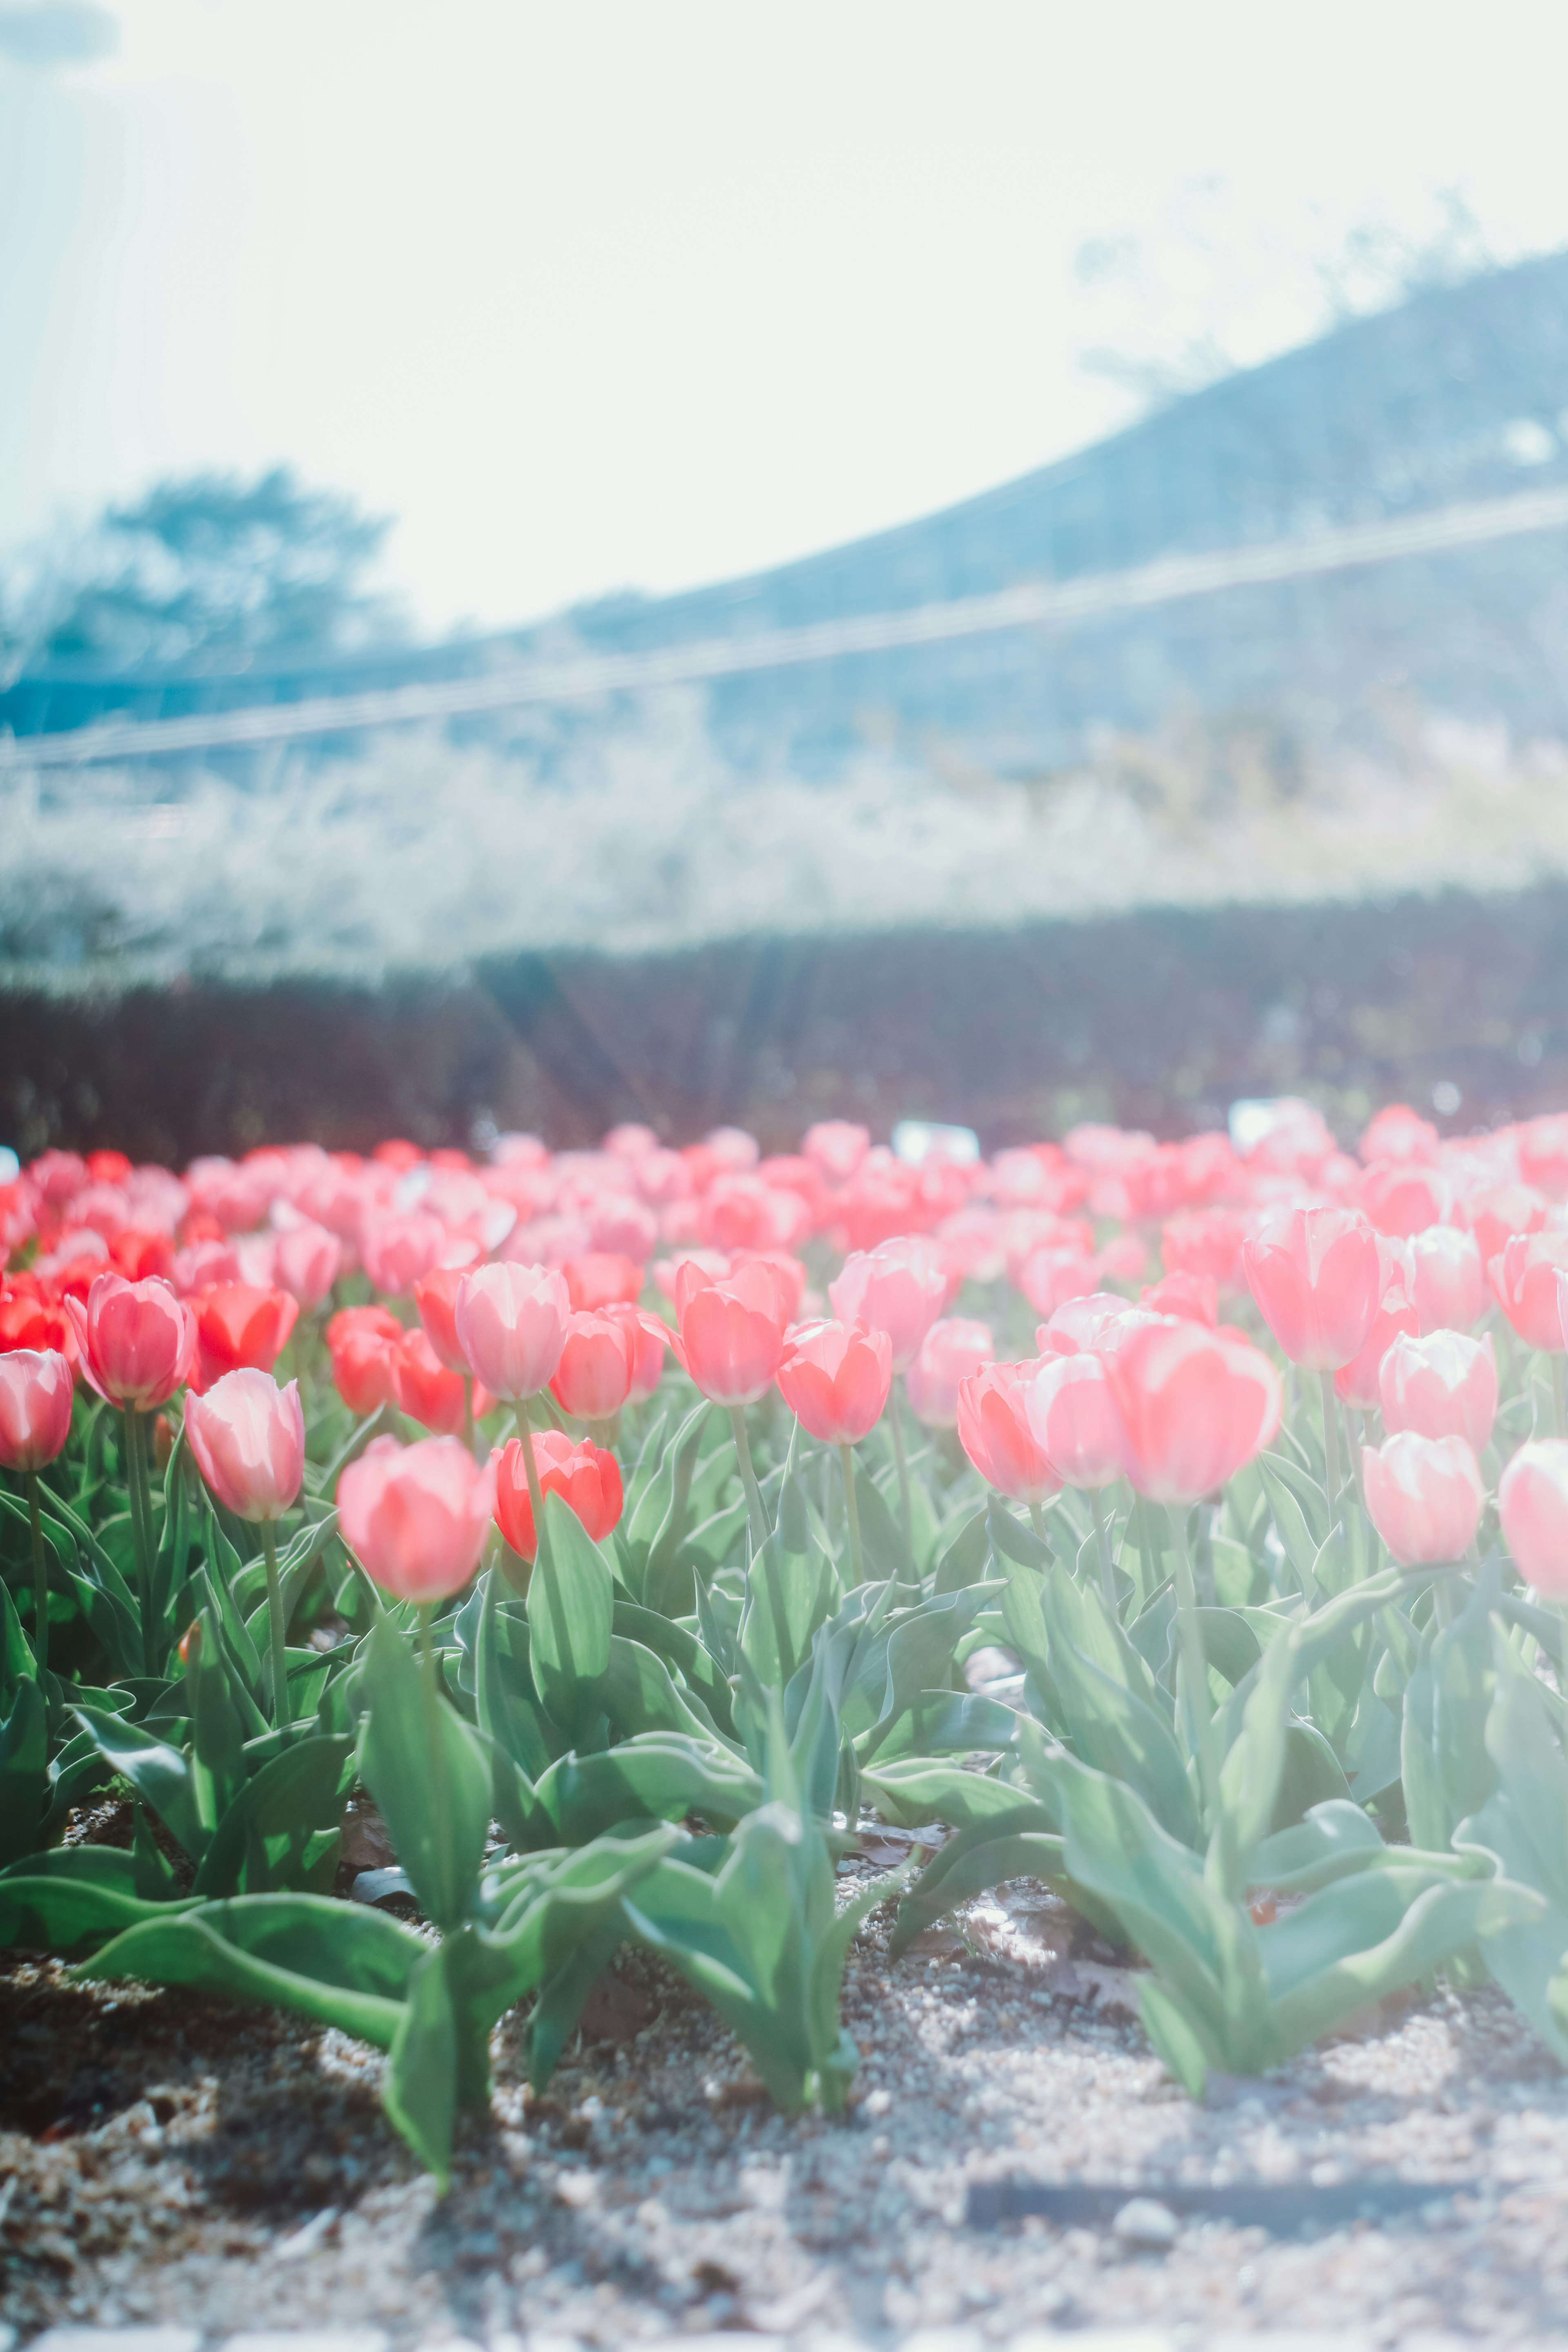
(1090, 596)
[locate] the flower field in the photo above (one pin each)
(629, 1526)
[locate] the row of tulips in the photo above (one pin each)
(1221, 1385)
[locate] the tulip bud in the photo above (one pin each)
(36, 1393)
(510, 1323)
(952, 1349)
(995, 1431)
(586, 1477)
(1318, 1280)
(835, 1379)
(1532, 1501)
(249, 1439)
(416, 1517)
(1424, 1496)
(1444, 1386)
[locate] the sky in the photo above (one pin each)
(602, 294)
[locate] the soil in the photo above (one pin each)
(169, 2158)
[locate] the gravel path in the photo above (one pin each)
(167, 2159)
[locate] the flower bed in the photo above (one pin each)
(634, 1529)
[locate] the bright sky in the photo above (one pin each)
(643, 292)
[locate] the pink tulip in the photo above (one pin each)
(1403, 1198)
(138, 1341)
(652, 1340)
(1206, 1242)
(306, 1262)
(1443, 1386)
(1532, 1499)
(598, 1359)
(900, 1288)
(993, 1430)
(1193, 1297)
(1073, 1415)
(1079, 1323)
(36, 1390)
(399, 1251)
(952, 1348)
(1355, 1384)
(1524, 1276)
(732, 1333)
(1318, 1281)
(1194, 1405)
(1399, 1134)
(836, 1146)
(1450, 1283)
(249, 1437)
(835, 1379)
(511, 1322)
(437, 1298)
(1048, 1277)
(416, 1517)
(1424, 1496)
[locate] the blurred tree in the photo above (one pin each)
(204, 569)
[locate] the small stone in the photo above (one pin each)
(116, 2339)
(308, 2339)
(1144, 2221)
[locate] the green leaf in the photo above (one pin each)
(436, 1805)
(283, 1824)
(1302, 1545)
(658, 1776)
(911, 1791)
(50, 1913)
(637, 1694)
(571, 1608)
(1021, 1843)
(24, 1771)
(159, 1774)
(1110, 1706)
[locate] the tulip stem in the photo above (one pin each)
(1559, 1393)
(906, 1516)
(1331, 1447)
(1037, 1520)
(535, 1494)
(754, 1511)
(1102, 1546)
(852, 1512)
(1194, 1665)
(433, 1739)
(468, 1414)
(40, 1580)
(277, 1630)
(142, 1532)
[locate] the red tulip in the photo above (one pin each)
(306, 1262)
(586, 1478)
(900, 1288)
(1074, 1416)
(511, 1325)
(952, 1348)
(993, 1430)
(424, 1389)
(1532, 1498)
(436, 1296)
(731, 1332)
(1424, 1496)
(360, 1341)
(239, 1328)
(835, 1379)
(1444, 1386)
(1450, 1283)
(1318, 1281)
(602, 1278)
(249, 1437)
(27, 1319)
(416, 1517)
(137, 1340)
(1194, 1405)
(652, 1338)
(37, 1386)
(594, 1376)
(1524, 1277)
(1355, 1384)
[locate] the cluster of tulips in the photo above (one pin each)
(526, 1275)
(694, 1477)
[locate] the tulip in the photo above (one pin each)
(835, 1379)
(306, 1262)
(1196, 1406)
(952, 1348)
(1193, 1297)
(1524, 1276)
(598, 1361)
(1532, 1499)
(652, 1340)
(1355, 1384)
(1424, 1496)
(360, 1341)
(239, 1328)
(1318, 1281)
(442, 1401)
(995, 1431)
(1073, 1414)
(586, 1477)
(436, 1296)
(1450, 1283)
(900, 1288)
(1080, 1323)
(1206, 1241)
(729, 1342)
(1048, 1277)
(1495, 1217)
(137, 1341)
(37, 1388)
(1403, 1199)
(28, 1320)
(249, 1439)
(602, 1278)
(399, 1251)
(1442, 1386)
(511, 1322)
(836, 1147)
(416, 1517)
